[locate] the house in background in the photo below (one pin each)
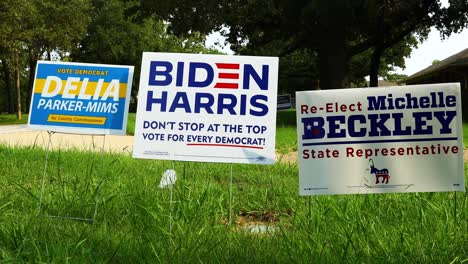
(450, 70)
(383, 83)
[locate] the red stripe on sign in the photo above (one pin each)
(228, 75)
(223, 145)
(227, 85)
(227, 66)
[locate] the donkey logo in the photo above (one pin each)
(383, 173)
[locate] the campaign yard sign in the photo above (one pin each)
(379, 140)
(209, 108)
(81, 98)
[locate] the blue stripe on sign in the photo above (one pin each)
(46, 69)
(90, 108)
(380, 141)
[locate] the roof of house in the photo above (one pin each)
(458, 59)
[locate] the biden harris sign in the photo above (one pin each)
(211, 108)
(379, 140)
(81, 98)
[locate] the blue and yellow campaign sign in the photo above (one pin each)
(81, 98)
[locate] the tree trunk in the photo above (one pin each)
(374, 67)
(378, 50)
(18, 88)
(9, 91)
(332, 58)
(332, 43)
(32, 73)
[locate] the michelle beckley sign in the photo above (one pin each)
(81, 98)
(379, 140)
(209, 108)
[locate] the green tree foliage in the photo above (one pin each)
(360, 65)
(335, 30)
(116, 36)
(58, 27)
(453, 19)
(391, 23)
(94, 31)
(338, 42)
(31, 27)
(395, 77)
(15, 32)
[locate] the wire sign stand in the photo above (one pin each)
(81, 99)
(42, 208)
(230, 198)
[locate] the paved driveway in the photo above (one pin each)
(20, 135)
(13, 129)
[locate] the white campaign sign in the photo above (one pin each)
(380, 140)
(210, 108)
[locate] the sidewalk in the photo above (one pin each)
(20, 135)
(13, 129)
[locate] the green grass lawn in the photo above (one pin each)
(465, 134)
(10, 119)
(132, 224)
(131, 124)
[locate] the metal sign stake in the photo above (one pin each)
(230, 198)
(101, 178)
(50, 133)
